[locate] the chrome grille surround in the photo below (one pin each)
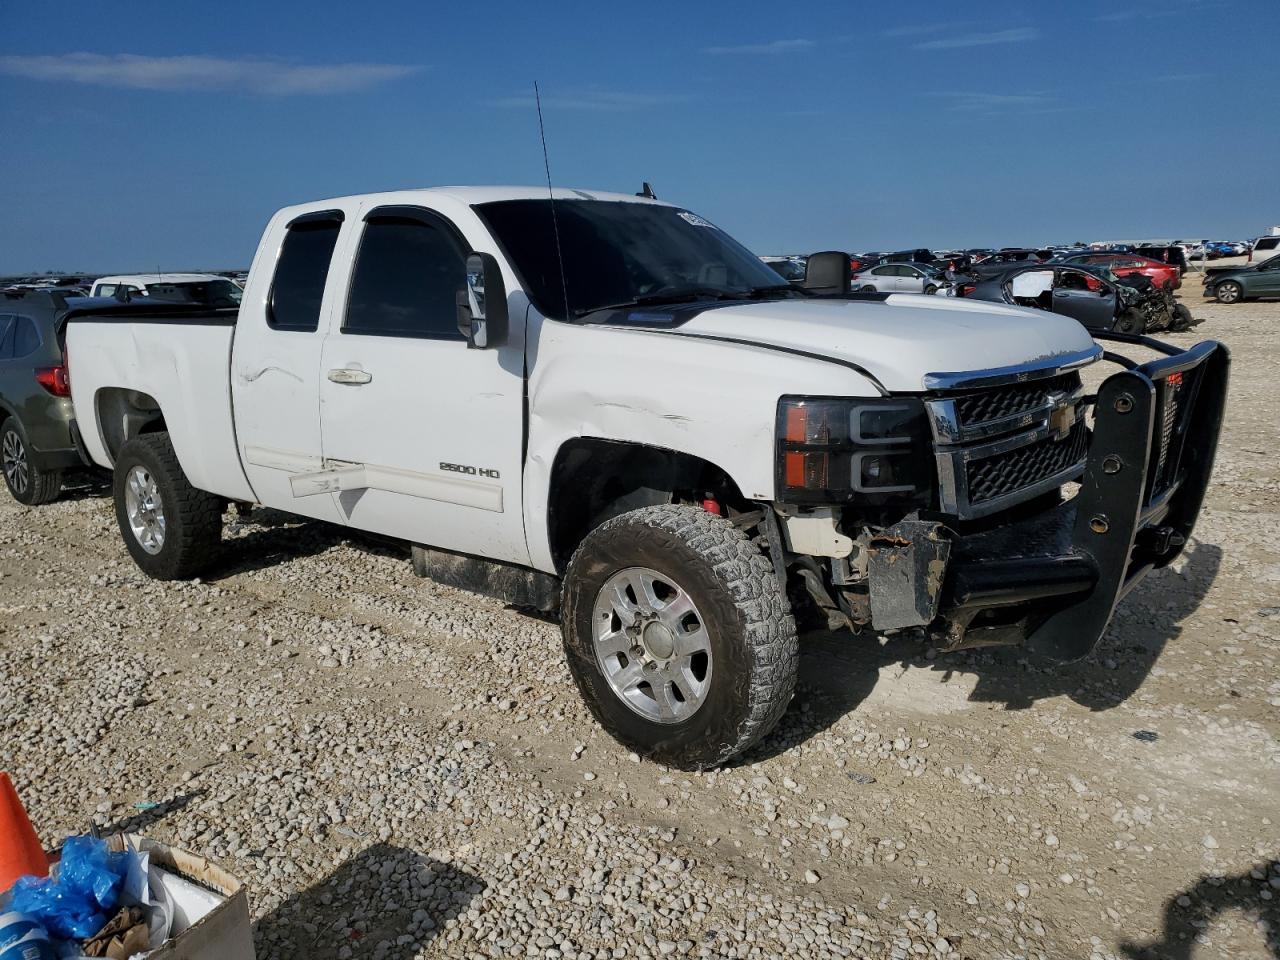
(989, 465)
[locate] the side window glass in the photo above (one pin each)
(26, 339)
(297, 289)
(6, 336)
(883, 271)
(106, 290)
(407, 276)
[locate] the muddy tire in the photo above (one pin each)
(678, 635)
(172, 530)
(28, 485)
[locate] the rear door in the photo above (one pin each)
(428, 433)
(275, 363)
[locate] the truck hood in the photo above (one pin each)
(901, 339)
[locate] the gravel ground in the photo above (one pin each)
(399, 769)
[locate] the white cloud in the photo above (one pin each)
(606, 101)
(918, 30)
(184, 73)
(976, 102)
(1016, 35)
(773, 47)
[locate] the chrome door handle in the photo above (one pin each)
(349, 376)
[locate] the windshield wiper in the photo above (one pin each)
(674, 296)
(759, 293)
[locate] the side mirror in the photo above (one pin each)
(482, 306)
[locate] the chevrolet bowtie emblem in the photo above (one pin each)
(1061, 421)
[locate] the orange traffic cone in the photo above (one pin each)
(20, 850)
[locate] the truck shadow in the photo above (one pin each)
(1147, 621)
(350, 908)
(1209, 897)
(268, 538)
(839, 671)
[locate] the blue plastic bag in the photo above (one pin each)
(83, 897)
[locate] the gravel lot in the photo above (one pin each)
(400, 769)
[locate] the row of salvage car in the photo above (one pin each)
(1111, 292)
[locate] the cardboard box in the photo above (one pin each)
(222, 934)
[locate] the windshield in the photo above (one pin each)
(619, 254)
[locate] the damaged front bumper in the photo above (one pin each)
(1052, 580)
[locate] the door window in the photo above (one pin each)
(26, 338)
(106, 290)
(407, 276)
(297, 289)
(885, 271)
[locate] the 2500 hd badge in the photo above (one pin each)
(470, 471)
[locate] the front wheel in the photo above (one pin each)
(678, 635)
(1131, 322)
(171, 529)
(1229, 292)
(930, 290)
(28, 484)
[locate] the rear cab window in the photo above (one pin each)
(297, 289)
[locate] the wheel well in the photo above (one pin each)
(596, 480)
(124, 414)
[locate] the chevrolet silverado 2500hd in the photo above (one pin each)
(603, 403)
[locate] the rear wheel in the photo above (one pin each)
(28, 484)
(678, 635)
(1229, 292)
(171, 529)
(1182, 319)
(868, 288)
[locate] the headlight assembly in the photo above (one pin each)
(835, 450)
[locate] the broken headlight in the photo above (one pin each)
(834, 450)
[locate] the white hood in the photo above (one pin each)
(903, 338)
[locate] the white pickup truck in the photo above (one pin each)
(602, 403)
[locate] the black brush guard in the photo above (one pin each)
(1053, 581)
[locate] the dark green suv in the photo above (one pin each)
(38, 437)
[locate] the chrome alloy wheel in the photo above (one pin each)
(652, 645)
(13, 459)
(145, 510)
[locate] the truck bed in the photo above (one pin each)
(176, 355)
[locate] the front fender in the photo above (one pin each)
(709, 399)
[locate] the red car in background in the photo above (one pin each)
(1123, 264)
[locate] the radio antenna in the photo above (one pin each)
(555, 224)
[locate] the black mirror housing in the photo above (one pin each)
(482, 304)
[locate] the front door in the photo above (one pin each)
(1095, 309)
(426, 434)
(1266, 280)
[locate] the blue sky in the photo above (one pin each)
(149, 135)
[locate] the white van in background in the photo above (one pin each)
(145, 284)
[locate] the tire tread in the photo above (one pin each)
(769, 630)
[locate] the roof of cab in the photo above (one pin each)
(474, 195)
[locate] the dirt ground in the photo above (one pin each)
(399, 769)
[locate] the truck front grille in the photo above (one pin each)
(1006, 474)
(1016, 399)
(1002, 444)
